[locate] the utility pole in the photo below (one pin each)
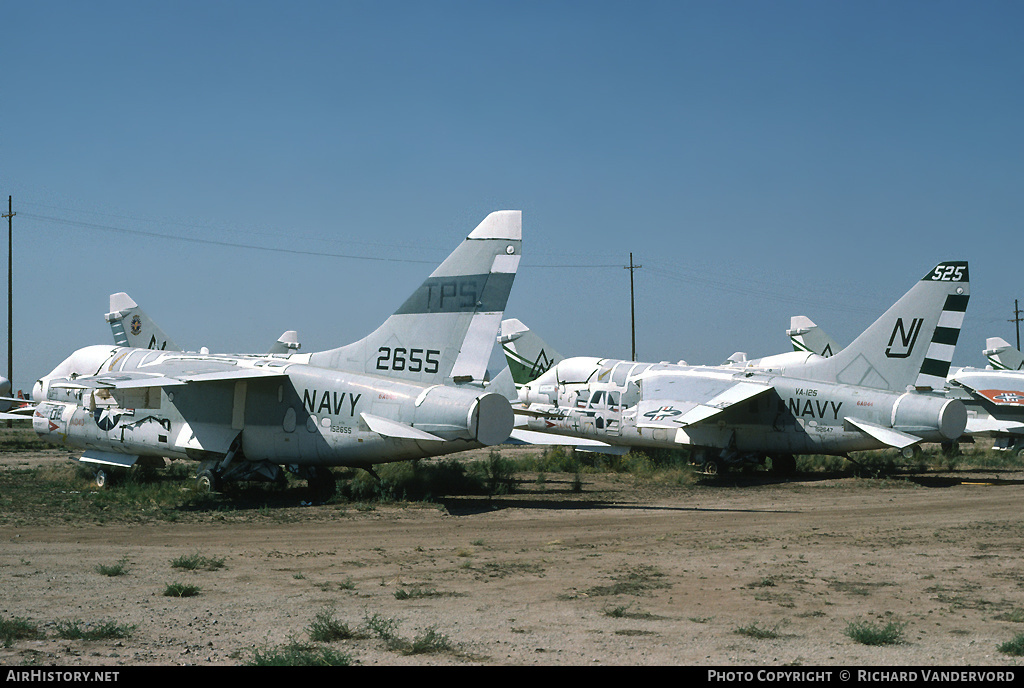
(10, 298)
(1017, 320)
(632, 308)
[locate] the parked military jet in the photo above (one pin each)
(132, 327)
(413, 388)
(994, 396)
(876, 393)
(1002, 356)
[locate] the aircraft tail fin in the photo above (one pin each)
(1002, 356)
(132, 327)
(445, 331)
(806, 336)
(911, 345)
(527, 355)
(287, 343)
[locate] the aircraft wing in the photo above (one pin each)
(674, 401)
(999, 388)
(165, 378)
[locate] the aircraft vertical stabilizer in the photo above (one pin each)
(527, 355)
(132, 327)
(1002, 356)
(447, 328)
(806, 336)
(911, 345)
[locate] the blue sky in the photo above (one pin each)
(244, 168)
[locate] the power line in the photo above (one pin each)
(231, 244)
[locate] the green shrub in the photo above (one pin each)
(1013, 647)
(867, 633)
(17, 629)
(106, 630)
(299, 654)
(181, 590)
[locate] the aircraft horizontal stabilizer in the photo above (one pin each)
(520, 436)
(893, 438)
(393, 428)
(981, 424)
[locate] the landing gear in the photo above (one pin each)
(207, 481)
(321, 484)
(784, 464)
(213, 476)
(102, 478)
(911, 452)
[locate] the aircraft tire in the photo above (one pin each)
(207, 482)
(711, 467)
(911, 452)
(322, 485)
(784, 464)
(102, 478)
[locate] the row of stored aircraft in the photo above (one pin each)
(418, 387)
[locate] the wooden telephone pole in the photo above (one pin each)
(10, 297)
(632, 309)
(1017, 320)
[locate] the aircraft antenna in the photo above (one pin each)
(632, 308)
(1016, 320)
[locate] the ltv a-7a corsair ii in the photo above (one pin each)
(413, 388)
(884, 390)
(994, 396)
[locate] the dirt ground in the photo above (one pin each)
(614, 574)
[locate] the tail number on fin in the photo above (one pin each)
(908, 337)
(412, 360)
(951, 272)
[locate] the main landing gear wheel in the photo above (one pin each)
(911, 452)
(784, 465)
(102, 478)
(711, 467)
(321, 483)
(207, 482)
